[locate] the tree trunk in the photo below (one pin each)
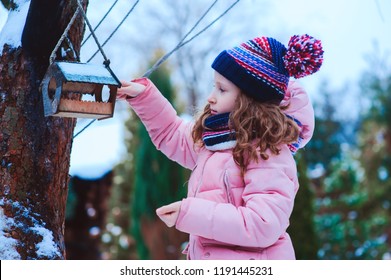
(34, 150)
(86, 217)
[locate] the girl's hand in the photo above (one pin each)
(169, 213)
(129, 89)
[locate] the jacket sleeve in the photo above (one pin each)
(169, 133)
(268, 202)
(301, 110)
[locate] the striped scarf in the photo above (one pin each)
(295, 146)
(217, 135)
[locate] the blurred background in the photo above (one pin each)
(118, 178)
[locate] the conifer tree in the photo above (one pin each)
(353, 201)
(302, 227)
(375, 142)
(325, 144)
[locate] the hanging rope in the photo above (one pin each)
(64, 34)
(80, 9)
(106, 60)
(181, 43)
(178, 46)
(210, 24)
(92, 31)
(84, 128)
(379, 10)
(75, 54)
(100, 22)
(115, 30)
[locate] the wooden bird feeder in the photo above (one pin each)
(63, 78)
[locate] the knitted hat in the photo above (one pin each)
(262, 66)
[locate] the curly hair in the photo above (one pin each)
(260, 127)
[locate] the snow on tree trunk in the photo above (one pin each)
(34, 150)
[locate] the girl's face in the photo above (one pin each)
(223, 96)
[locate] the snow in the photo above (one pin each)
(46, 248)
(11, 33)
(8, 244)
(87, 72)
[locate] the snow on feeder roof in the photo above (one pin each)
(63, 78)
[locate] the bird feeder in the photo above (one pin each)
(63, 79)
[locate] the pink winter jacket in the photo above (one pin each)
(227, 216)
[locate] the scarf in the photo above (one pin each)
(295, 146)
(217, 135)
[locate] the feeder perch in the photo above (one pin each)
(63, 78)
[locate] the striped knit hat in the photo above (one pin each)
(262, 66)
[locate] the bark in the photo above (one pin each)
(35, 150)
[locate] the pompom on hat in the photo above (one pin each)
(261, 67)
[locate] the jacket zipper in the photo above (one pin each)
(202, 174)
(227, 186)
(197, 189)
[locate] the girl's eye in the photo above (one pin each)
(221, 89)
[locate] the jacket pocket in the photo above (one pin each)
(215, 251)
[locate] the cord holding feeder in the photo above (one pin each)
(181, 43)
(63, 79)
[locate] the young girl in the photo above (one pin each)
(244, 181)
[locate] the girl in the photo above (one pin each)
(244, 180)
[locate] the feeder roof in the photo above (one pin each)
(86, 73)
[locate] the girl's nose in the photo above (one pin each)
(211, 99)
